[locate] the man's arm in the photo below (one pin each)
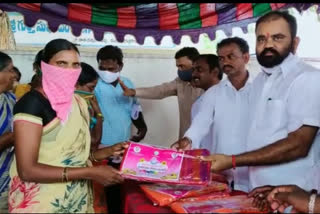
(201, 123)
(295, 146)
(156, 92)
(141, 125)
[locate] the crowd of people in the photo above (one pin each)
(62, 136)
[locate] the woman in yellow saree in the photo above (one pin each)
(50, 172)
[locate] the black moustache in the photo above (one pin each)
(264, 52)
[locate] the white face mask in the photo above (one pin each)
(108, 76)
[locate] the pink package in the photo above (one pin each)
(153, 163)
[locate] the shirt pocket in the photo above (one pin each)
(274, 116)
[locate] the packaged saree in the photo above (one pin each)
(212, 204)
(156, 164)
(164, 194)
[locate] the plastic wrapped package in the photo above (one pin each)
(156, 164)
(164, 194)
(212, 204)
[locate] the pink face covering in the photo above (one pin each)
(59, 85)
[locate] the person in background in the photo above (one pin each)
(85, 87)
(22, 89)
(180, 87)
(223, 112)
(205, 74)
(120, 112)
(50, 171)
(7, 101)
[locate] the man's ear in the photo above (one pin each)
(246, 57)
(296, 42)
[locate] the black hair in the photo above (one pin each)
(190, 52)
(16, 70)
(55, 46)
(213, 61)
(37, 60)
(110, 52)
(242, 44)
(88, 74)
(273, 15)
(5, 60)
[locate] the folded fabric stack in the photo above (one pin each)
(212, 204)
(164, 194)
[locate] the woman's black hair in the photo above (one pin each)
(88, 74)
(55, 46)
(5, 60)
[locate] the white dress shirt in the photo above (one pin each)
(222, 115)
(282, 100)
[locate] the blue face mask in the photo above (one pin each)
(185, 75)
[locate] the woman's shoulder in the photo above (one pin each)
(30, 103)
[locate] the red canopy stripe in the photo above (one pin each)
(208, 14)
(127, 17)
(31, 6)
(168, 16)
(80, 12)
(244, 11)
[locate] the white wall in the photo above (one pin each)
(144, 68)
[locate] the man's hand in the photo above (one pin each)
(220, 162)
(259, 195)
(182, 144)
(283, 196)
(129, 92)
(140, 135)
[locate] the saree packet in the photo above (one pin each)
(213, 204)
(164, 194)
(162, 165)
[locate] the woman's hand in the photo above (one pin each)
(119, 148)
(105, 175)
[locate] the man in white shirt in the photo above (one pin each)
(205, 74)
(283, 142)
(224, 110)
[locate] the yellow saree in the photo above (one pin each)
(63, 145)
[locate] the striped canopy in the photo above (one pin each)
(148, 19)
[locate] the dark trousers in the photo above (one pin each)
(113, 194)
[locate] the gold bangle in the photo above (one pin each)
(100, 115)
(92, 157)
(67, 179)
(64, 173)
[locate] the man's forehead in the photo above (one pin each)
(273, 27)
(108, 61)
(228, 49)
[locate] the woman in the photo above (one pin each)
(50, 173)
(85, 86)
(7, 101)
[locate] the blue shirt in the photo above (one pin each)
(116, 109)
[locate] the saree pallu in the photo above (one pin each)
(7, 101)
(62, 145)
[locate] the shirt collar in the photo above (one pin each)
(284, 68)
(248, 82)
